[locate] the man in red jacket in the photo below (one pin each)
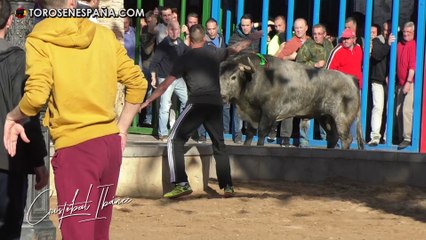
(347, 58)
(405, 68)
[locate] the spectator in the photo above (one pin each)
(130, 40)
(164, 57)
(279, 38)
(352, 24)
(30, 156)
(242, 33)
(378, 79)
(147, 51)
(273, 47)
(347, 58)
(87, 137)
(405, 70)
(191, 20)
(175, 14)
(313, 53)
(288, 51)
(161, 29)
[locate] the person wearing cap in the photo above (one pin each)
(346, 57)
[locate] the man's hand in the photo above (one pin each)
(319, 64)
(255, 35)
(407, 87)
(42, 177)
(144, 105)
(391, 39)
(12, 130)
(123, 137)
(185, 30)
(153, 81)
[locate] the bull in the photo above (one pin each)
(266, 89)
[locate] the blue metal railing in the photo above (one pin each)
(420, 39)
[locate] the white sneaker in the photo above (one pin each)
(373, 142)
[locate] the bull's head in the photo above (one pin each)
(234, 76)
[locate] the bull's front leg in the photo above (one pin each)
(250, 132)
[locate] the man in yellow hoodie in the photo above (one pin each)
(74, 65)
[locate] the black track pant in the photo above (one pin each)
(190, 119)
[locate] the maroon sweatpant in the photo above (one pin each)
(86, 178)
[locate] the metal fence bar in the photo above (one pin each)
(418, 77)
(265, 16)
(228, 22)
(240, 10)
(317, 6)
(216, 12)
(342, 17)
(290, 19)
(391, 78)
(366, 64)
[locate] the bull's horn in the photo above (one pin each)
(251, 64)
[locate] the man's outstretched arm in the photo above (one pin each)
(159, 91)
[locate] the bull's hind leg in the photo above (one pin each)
(328, 124)
(250, 132)
(343, 129)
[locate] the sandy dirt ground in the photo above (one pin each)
(277, 210)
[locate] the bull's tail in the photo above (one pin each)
(359, 139)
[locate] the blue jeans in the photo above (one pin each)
(148, 115)
(179, 88)
(237, 123)
(304, 138)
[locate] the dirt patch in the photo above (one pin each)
(277, 210)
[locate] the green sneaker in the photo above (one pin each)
(179, 191)
(228, 191)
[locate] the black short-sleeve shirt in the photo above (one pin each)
(200, 69)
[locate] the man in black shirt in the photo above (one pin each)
(200, 69)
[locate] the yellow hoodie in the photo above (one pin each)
(75, 65)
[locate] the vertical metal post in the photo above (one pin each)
(206, 11)
(134, 128)
(182, 15)
(418, 78)
(216, 11)
(423, 123)
(317, 6)
(228, 22)
(316, 13)
(392, 71)
(290, 19)
(366, 63)
(265, 16)
(342, 17)
(240, 10)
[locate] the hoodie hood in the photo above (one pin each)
(65, 32)
(8, 52)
